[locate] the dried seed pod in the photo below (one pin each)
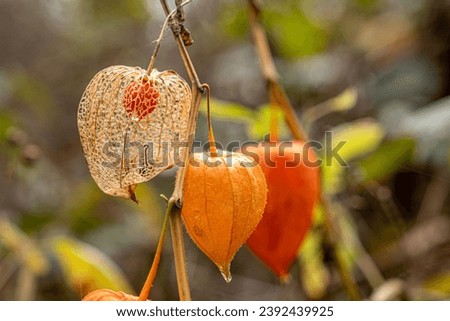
(224, 198)
(293, 181)
(129, 123)
(109, 295)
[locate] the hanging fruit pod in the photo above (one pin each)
(128, 122)
(224, 199)
(293, 181)
(109, 295)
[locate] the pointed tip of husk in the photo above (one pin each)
(285, 279)
(226, 273)
(131, 190)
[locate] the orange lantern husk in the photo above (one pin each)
(293, 181)
(224, 199)
(109, 295)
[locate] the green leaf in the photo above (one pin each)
(319, 218)
(233, 19)
(347, 244)
(88, 268)
(107, 10)
(228, 111)
(366, 4)
(81, 207)
(294, 34)
(314, 274)
(346, 255)
(257, 122)
(5, 124)
(34, 93)
(150, 202)
(260, 123)
(358, 138)
(439, 283)
(345, 100)
(23, 247)
(386, 160)
(342, 102)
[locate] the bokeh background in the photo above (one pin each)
(374, 72)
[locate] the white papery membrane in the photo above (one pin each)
(131, 124)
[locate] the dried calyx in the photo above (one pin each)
(224, 198)
(127, 121)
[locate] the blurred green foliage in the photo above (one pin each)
(314, 274)
(87, 269)
(24, 248)
(107, 10)
(357, 138)
(281, 18)
(389, 157)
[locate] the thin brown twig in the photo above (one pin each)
(212, 141)
(364, 261)
(176, 30)
(277, 94)
(146, 289)
(435, 196)
(176, 227)
(161, 34)
(176, 230)
(332, 240)
(280, 99)
(8, 267)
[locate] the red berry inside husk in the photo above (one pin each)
(141, 98)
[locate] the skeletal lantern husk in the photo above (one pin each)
(130, 124)
(223, 201)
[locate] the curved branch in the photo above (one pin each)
(176, 228)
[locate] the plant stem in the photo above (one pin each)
(146, 289)
(26, 285)
(212, 141)
(279, 97)
(192, 122)
(161, 34)
(332, 237)
(197, 91)
(183, 52)
(175, 220)
(176, 230)
(276, 92)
